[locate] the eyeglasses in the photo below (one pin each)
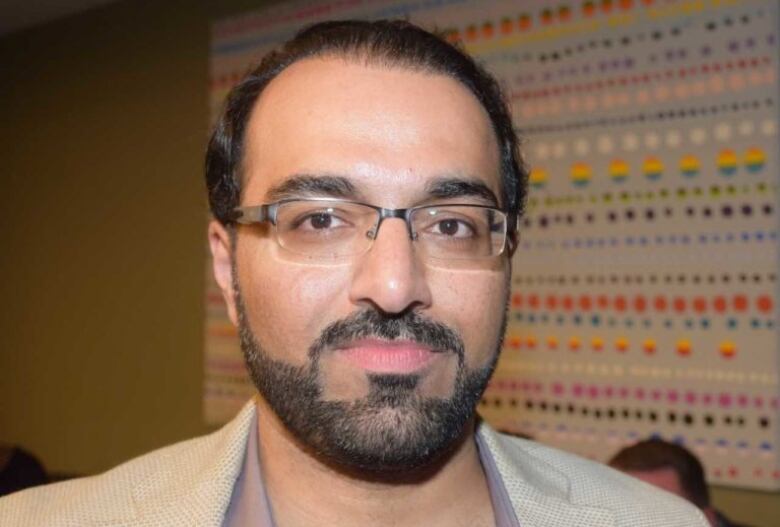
(333, 230)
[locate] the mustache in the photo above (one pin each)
(373, 324)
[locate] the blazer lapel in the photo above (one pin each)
(540, 494)
(193, 483)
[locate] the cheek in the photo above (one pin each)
(474, 304)
(288, 305)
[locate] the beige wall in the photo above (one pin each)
(104, 122)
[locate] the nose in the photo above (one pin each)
(390, 277)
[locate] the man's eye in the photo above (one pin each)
(319, 221)
(453, 228)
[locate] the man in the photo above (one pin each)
(366, 187)
(672, 468)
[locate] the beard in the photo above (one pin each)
(393, 429)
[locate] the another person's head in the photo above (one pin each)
(365, 182)
(668, 466)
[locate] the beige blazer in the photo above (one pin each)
(190, 483)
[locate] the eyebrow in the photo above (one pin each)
(308, 185)
(457, 187)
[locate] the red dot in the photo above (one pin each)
(640, 304)
(719, 304)
(740, 302)
(585, 303)
(551, 302)
(765, 303)
(679, 304)
(602, 301)
(620, 303)
(567, 303)
(659, 303)
(733, 472)
(533, 301)
(699, 304)
(517, 300)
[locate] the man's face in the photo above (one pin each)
(376, 362)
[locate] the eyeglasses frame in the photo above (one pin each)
(268, 212)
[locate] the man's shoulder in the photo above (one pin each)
(174, 485)
(582, 488)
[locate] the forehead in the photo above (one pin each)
(387, 129)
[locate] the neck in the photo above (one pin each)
(306, 490)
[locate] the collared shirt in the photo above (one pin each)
(249, 504)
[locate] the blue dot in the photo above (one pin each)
(629, 323)
(668, 323)
(589, 242)
(518, 316)
(688, 323)
(543, 319)
(595, 320)
(643, 240)
(731, 323)
(704, 323)
(755, 323)
(730, 237)
(646, 323)
(659, 240)
(702, 238)
(577, 320)
(770, 324)
(716, 238)
(630, 240)
(759, 236)
(531, 318)
(611, 322)
(745, 236)
(685, 239)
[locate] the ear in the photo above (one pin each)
(222, 263)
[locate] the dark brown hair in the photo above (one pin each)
(391, 43)
(654, 454)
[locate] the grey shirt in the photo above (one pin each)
(249, 505)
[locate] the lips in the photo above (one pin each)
(380, 356)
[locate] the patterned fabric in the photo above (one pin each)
(249, 505)
(190, 484)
